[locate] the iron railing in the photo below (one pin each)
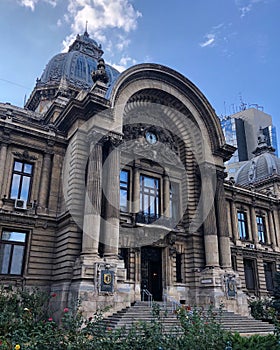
(149, 296)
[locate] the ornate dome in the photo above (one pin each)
(68, 73)
(261, 167)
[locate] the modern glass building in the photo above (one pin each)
(242, 129)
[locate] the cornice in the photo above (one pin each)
(81, 109)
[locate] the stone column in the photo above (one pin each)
(254, 225)
(166, 196)
(234, 221)
(45, 180)
(271, 228)
(111, 176)
(136, 189)
(276, 221)
(3, 156)
(224, 241)
(209, 216)
(92, 213)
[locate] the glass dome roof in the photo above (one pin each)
(76, 65)
(66, 74)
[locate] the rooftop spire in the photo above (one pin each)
(86, 32)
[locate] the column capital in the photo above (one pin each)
(4, 142)
(207, 167)
(95, 137)
(221, 175)
(114, 138)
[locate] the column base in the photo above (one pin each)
(100, 285)
(222, 288)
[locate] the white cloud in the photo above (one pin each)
(124, 63)
(29, 3)
(32, 3)
(244, 10)
(102, 14)
(122, 43)
(246, 6)
(109, 22)
(219, 36)
(210, 38)
(118, 67)
(53, 3)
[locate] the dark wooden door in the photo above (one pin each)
(151, 271)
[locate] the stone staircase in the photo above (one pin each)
(141, 311)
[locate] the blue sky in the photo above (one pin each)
(229, 48)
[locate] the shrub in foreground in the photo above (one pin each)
(26, 323)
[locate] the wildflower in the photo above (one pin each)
(66, 309)
(26, 309)
(50, 319)
(17, 347)
(53, 295)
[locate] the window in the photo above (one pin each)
(149, 197)
(21, 180)
(179, 267)
(174, 200)
(242, 225)
(261, 229)
(234, 262)
(250, 274)
(124, 179)
(269, 272)
(12, 249)
(125, 254)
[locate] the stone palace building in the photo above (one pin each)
(113, 189)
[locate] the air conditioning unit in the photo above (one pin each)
(251, 246)
(20, 204)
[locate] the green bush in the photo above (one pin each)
(255, 342)
(262, 309)
(26, 323)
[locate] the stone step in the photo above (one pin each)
(142, 312)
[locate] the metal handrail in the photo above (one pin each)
(175, 304)
(149, 295)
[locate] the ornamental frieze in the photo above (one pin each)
(24, 155)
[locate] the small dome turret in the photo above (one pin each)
(261, 167)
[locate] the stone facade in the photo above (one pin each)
(115, 191)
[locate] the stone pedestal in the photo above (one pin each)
(88, 287)
(213, 291)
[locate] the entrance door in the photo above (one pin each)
(151, 271)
